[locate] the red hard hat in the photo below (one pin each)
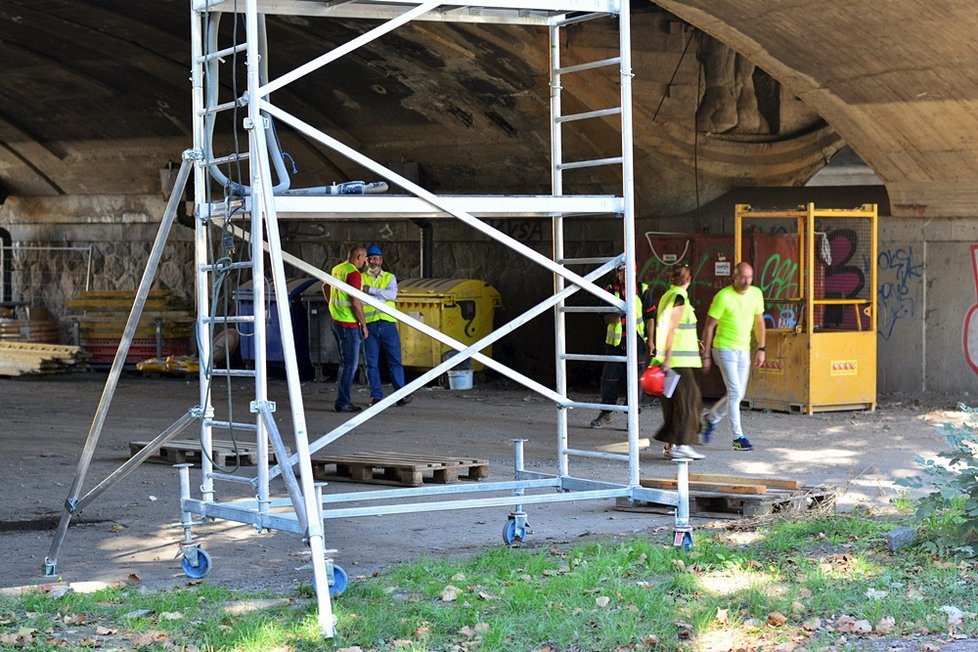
(653, 380)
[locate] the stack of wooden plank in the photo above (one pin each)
(38, 327)
(103, 322)
(733, 496)
(22, 358)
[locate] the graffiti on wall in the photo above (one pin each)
(779, 280)
(971, 319)
(899, 288)
(522, 230)
(843, 266)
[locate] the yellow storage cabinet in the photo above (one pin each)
(460, 308)
(817, 270)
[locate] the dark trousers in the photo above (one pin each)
(681, 413)
(613, 373)
(348, 342)
(383, 340)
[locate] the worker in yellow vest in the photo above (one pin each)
(349, 324)
(737, 311)
(678, 351)
(384, 339)
(613, 373)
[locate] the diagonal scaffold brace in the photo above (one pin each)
(75, 501)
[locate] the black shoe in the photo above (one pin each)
(404, 401)
(375, 400)
(347, 408)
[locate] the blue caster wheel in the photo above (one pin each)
(201, 569)
(687, 543)
(340, 581)
(512, 534)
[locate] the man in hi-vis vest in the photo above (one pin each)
(613, 373)
(384, 339)
(349, 324)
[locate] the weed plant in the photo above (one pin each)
(950, 511)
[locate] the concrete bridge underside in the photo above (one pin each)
(94, 97)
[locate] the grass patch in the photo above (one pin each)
(803, 582)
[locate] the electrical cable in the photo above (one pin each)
(665, 93)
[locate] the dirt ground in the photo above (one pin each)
(130, 528)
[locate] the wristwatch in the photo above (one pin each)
(762, 348)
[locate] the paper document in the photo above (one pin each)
(669, 385)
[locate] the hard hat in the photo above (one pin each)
(653, 380)
(374, 250)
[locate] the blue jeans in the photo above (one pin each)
(348, 342)
(384, 339)
(735, 369)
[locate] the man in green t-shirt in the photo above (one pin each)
(736, 310)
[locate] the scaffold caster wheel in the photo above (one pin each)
(201, 569)
(684, 540)
(339, 583)
(512, 534)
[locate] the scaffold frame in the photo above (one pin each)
(253, 216)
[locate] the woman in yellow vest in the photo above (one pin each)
(677, 348)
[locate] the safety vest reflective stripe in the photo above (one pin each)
(685, 345)
(381, 282)
(339, 301)
(613, 336)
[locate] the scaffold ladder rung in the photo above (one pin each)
(587, 115)
(229, 319)
(242, 373)
(230, 158)
(592, 163)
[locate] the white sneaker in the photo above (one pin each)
(668, 453)
(686, 452)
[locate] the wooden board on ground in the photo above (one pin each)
(716, 487)
(770, 483)
(398, 468)
(730, 496)
(223, 454)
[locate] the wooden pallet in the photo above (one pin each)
(729, 496)
(398, 468)
(182, 452)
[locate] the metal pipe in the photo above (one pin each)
(628, 222)
(291, 484)
(263, 193)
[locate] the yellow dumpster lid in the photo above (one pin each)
(456, 288)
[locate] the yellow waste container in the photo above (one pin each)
(458, 307)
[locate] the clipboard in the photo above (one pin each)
(670, 383)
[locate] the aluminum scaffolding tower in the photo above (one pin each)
(251, 212)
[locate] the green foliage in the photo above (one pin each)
(950, 512)
(638, 594)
